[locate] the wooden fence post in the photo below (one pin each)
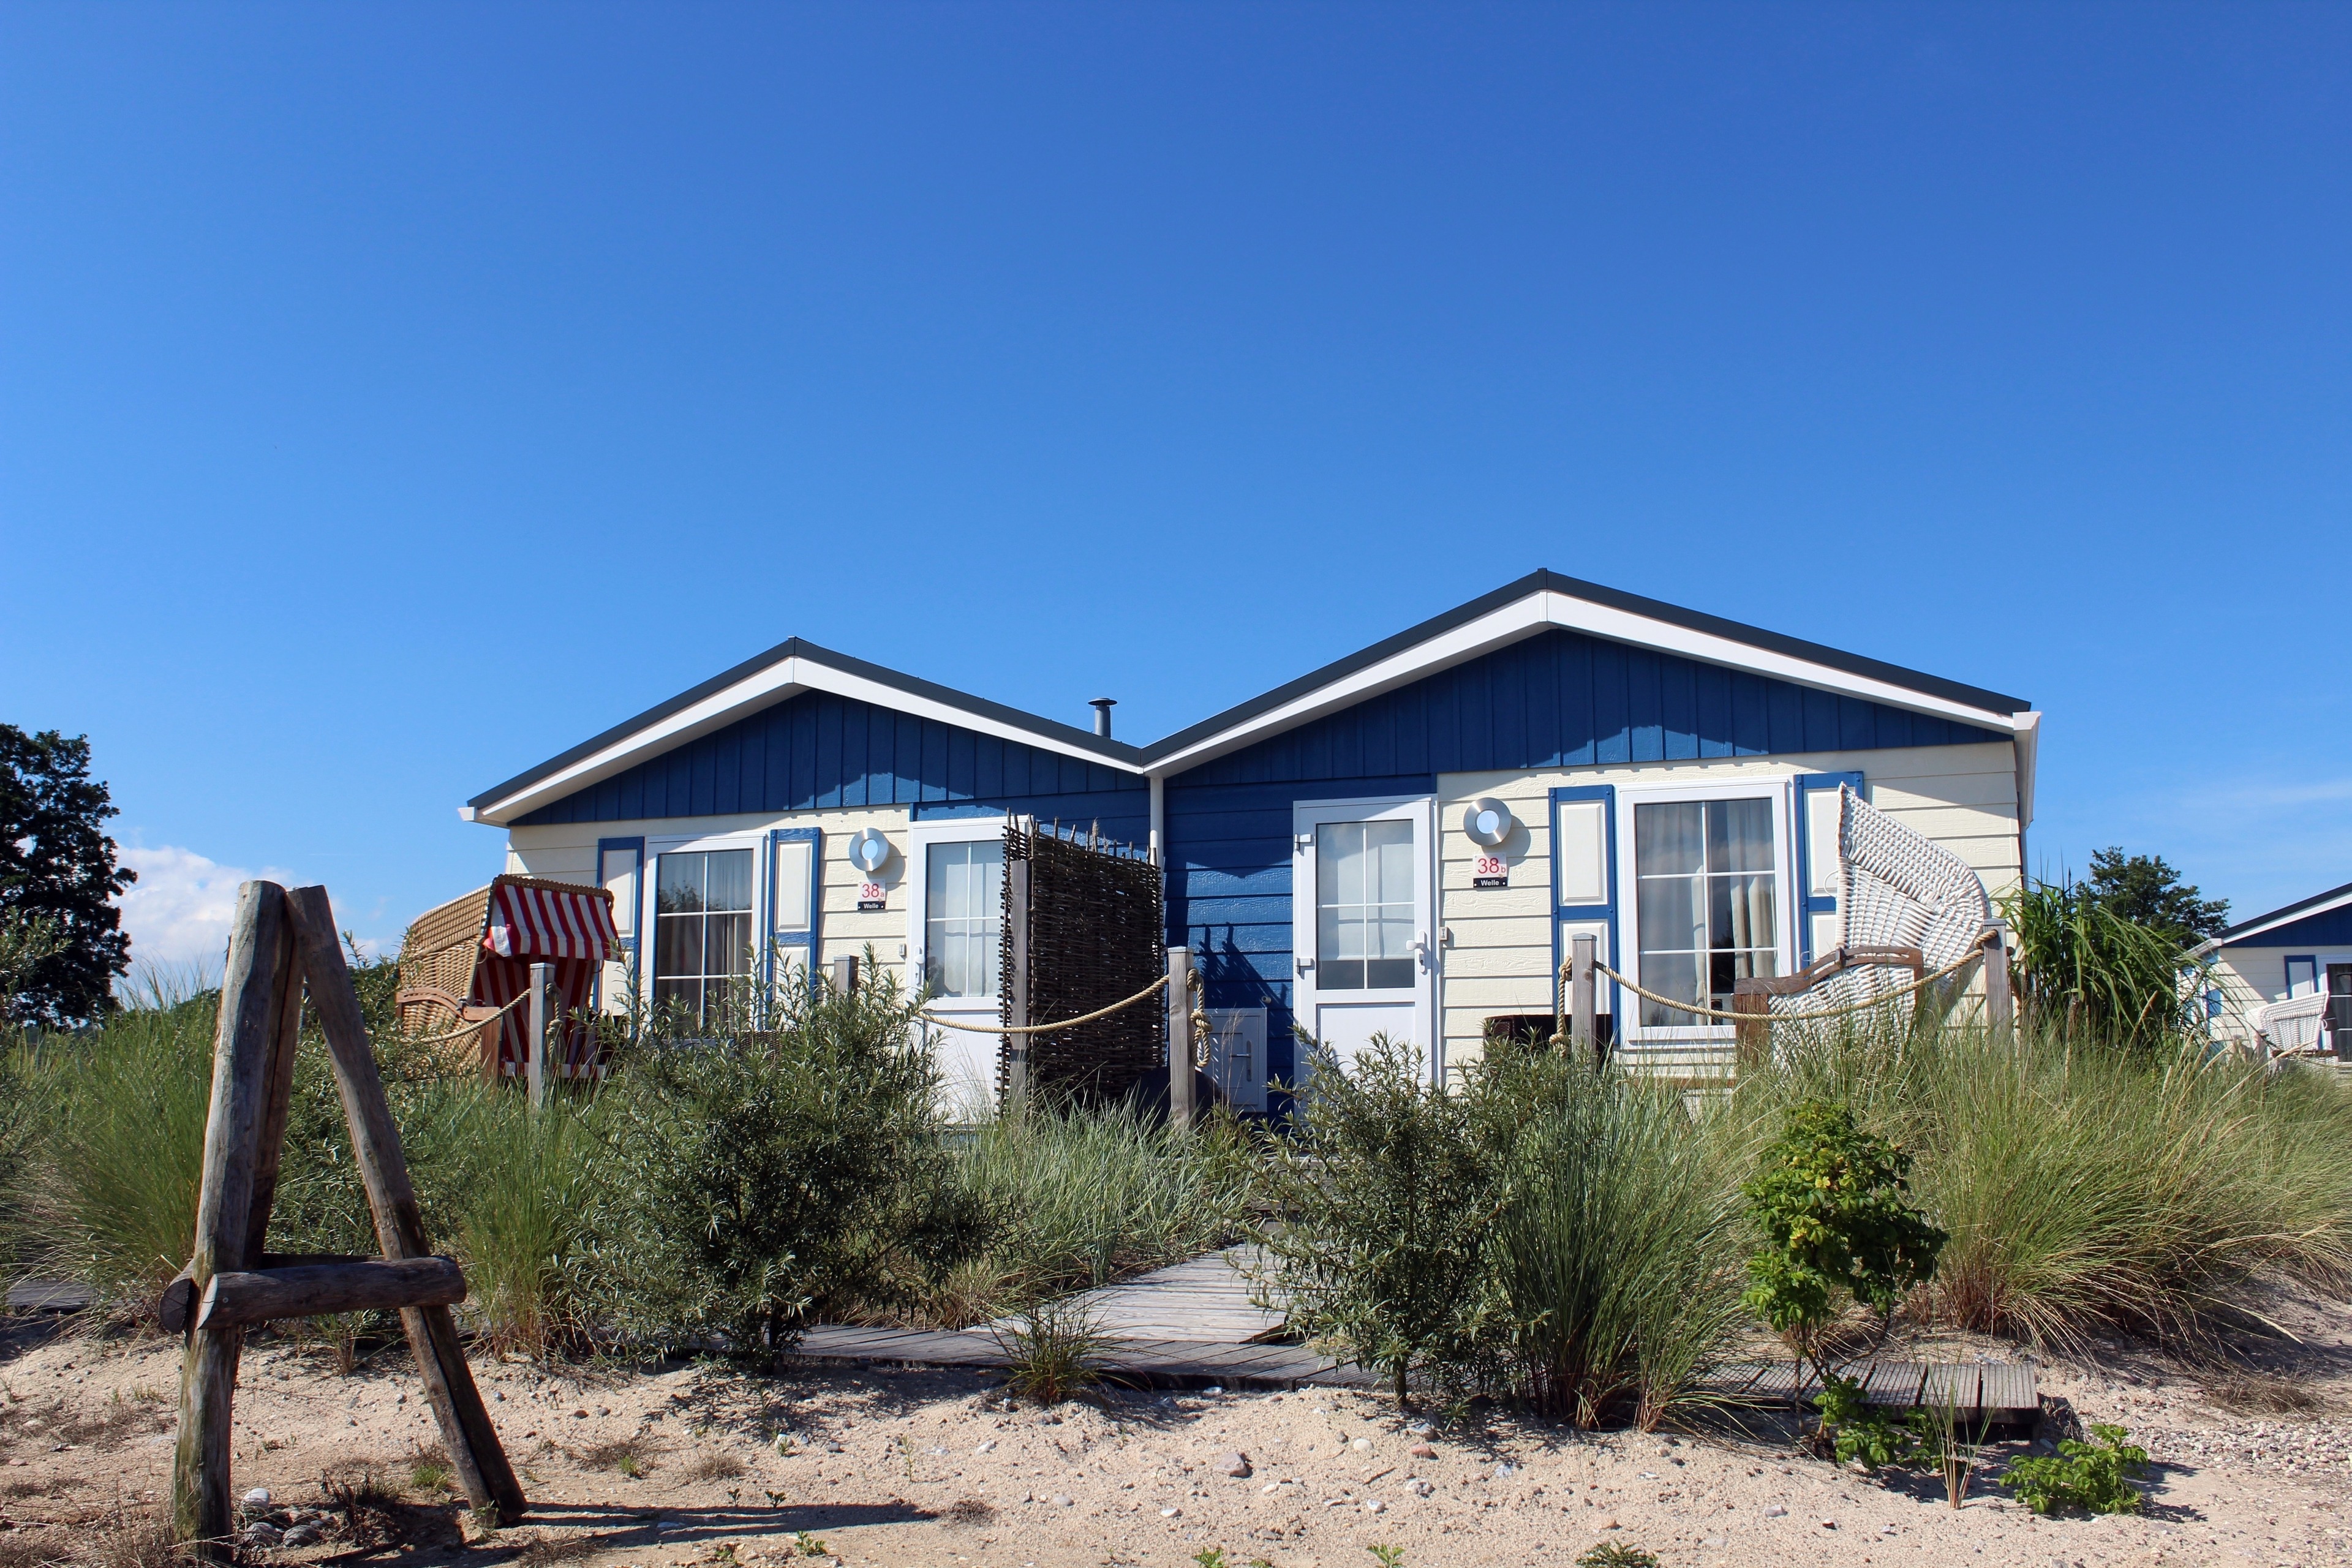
(844, 975)
(534, 1067)
(473, 1443)
(1016, 937)
(260, 1013)
(1180, 1037)
(2000, 1004)
(1583, 994)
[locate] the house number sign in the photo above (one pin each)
(1490, 871)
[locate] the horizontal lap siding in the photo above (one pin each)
(819, 751)
(1229, 893)
(1963, 797)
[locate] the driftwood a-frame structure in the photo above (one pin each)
(282, 943)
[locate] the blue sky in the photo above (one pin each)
(391, 396)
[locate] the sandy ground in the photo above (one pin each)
(937, 1468)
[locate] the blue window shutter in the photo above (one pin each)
(1817, 858)
(621, 868)
(1584, 894)
(793, 931)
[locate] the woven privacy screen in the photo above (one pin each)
(1095, 936)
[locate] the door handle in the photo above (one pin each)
(1420, 951)
(1305, 964)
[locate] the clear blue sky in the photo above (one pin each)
(391, 396)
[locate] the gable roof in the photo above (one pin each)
(785, 670)
(2317, 904)
(1542, 600)
(1535, 604)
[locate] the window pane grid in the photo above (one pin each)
(1706, 903)
(963, 918)
(1364, 906)
(702, 932)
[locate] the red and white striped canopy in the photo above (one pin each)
(541, 922)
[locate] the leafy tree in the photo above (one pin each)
(1830, 1203)
(57, 867)
(2145, 890)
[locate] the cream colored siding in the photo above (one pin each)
(843, 930)
(2247, 977)
(1500, 961)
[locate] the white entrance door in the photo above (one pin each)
(955, 916)
(1363, 902)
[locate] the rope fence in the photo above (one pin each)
(1155, 987)
(1559, 1013)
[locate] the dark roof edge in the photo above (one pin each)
(1117, 753)
(1541, 580)
(2227, 936)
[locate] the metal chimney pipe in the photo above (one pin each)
(1102, 706)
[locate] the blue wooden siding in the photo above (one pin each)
(1563, 700)
(820, 751)
(2329, 928)
(1229, 889)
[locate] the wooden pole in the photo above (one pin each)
(844, 975)
(542, 981)
(1016, 939)
(465, 1430)
(258, 992)
(1583, 992)
(2000, 1006)
(310, 1289)
(1180, 1038)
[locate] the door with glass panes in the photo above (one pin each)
(1363, 902)
(955, 919)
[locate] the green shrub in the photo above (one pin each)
(749, 1178)
(1386, 1194)
(2094, 1475)
(1051, 1355)
(1830, 1206)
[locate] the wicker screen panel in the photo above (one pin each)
(1096, 935)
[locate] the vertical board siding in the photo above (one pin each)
(1229, 893)
(1565, 700)
(818, 751)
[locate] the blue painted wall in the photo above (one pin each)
(1558, 699)
(818, 751)
(2329, 928)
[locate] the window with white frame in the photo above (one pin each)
(702, 929)
(1707, 905)
(963, 917)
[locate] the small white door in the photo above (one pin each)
(1363, 902)
(955, 920)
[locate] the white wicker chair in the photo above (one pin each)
(1897, 890)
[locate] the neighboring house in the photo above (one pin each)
(2284, 980)
(1666, 779)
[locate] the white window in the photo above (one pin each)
(1364, 907)
(963, 917)
(1709, 896)
(702, 930)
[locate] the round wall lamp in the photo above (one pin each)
(1488, 822)
(869, 851)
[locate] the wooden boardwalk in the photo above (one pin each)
(1192, 1326)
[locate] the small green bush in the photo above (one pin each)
(2094, 1476)
(1051, 1355)
(1617, 1555)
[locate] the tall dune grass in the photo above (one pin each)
(2088, 1187)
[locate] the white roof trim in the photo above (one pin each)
(762, 689)
(2285, 917)
(1545, 609)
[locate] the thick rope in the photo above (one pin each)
(1045, 1029)
(466, 1029)
(1974, 952)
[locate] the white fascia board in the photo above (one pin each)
(2029, 755)
(1541, 612)
(785, 678)
(2245, 938)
